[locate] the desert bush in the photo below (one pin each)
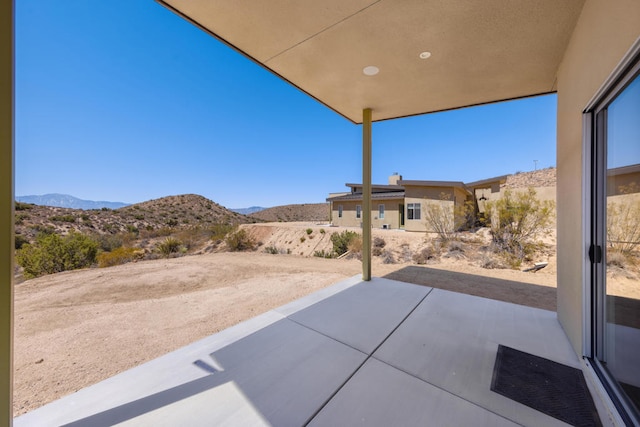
(271, 250)
(118, 256)
(323, 254)
(322, 231)
(302, 239)
(109, 242)
(426, 254)
(341, 241)
(490, 261)
(516, 219)
(43, 229)
(239, 240)
(51, 253)
(387, 257)
(378, 245)
(172, 222)
(23, 206)
(309, 231)
(355, 245)
(170, 245)
(63, 218)
(20, 241)
(623, 226)
(219, 231)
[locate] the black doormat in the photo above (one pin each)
(552, 388)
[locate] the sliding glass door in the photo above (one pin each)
(615, 250)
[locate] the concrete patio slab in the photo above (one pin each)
(451, 342)
(312, 361)
(380, 395)
(365, 314)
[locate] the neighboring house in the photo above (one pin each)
(404, 203)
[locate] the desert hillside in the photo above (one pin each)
(540, 178)
(173, 212)
(292, 213)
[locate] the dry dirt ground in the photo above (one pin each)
(76, 328)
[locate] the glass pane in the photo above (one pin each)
(622, 299)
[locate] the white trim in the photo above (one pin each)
(601, 398)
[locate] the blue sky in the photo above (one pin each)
(125, 101)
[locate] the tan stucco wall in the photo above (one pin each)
(604, 33)
(349, 219)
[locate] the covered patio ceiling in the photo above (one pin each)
(475, 52)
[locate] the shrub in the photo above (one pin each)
(341, 241)
(20, 241)
(23, 206)
(121, 255)
(426, 254)
(302, 239)
(219, 231)
(172, 222)
(323, 254)
(109, 242)
(309, 231)
(239, 240)
(63, 218)
(322, 231)
(169, 246)
(52, 254)
(355, 245)
(515, 222)
(272, 250)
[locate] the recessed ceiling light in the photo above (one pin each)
(424, 55)
(371, 70)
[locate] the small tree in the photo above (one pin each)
(516, 219)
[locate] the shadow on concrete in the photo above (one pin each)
(522, 293)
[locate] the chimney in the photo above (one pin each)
(393, 179)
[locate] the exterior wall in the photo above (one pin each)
(391, 217)
(604, 33)
(425, 195)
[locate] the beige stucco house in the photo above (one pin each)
(374, 60)
(401, 204)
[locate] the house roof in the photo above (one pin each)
(487, 182)
(379, 187)
(508, 49)
(374, 196)
(418, 183)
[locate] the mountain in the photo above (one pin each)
(247, 211)
(67, 201)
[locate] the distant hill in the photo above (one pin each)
(248, 211)
(67, 201)
(172, 212)
(290, 213)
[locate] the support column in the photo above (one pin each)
(366, 194)
(6, 212)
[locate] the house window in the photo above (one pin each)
(380, 211)
(413, 210)
(615, 178)
(339, 211)
(358, 211)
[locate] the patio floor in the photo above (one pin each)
(357, 353)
